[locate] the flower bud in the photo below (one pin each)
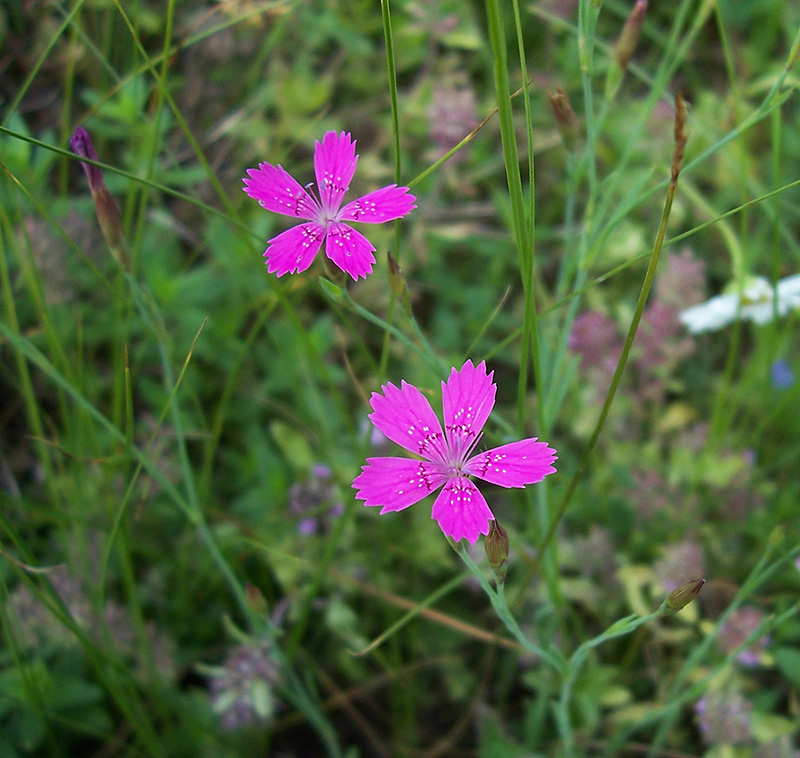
(629, 38)
(626, 46)
(256, 599)
(681, 596)
(397, 282)
(105, 206)
(81, 144)
(496, 546)
(566, 121)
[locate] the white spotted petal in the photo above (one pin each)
(335, 161)
(405, 416)
(514, 465)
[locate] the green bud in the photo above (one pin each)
(255, 599)
(629, 38)
(107, 210)
(496, 547)
(626, 46)
(397, 282)
(681, 596)
(110, 222)
(566, 121)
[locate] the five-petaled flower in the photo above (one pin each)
(405, 416)
(334, 164)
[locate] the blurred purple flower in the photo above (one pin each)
(315, 500)
(452, 115)
(777, 748)
(681, 562)
(723, 718)
(681, 280)
(782, 374)
(308, 526)
(242, 687)
(594, 337)
(738, 627)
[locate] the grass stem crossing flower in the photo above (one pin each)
(335, 162)
(405, 416)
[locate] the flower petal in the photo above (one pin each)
(405, 416)
(396, 483)
(294, 250)
(277, 191)
(350, 250)
(461, 510)
(513, 465)
(380, 206)
(468, 399)
(334, 164)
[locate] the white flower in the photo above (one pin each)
(755, 302)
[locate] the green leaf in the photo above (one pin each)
(331, 290)
(293, 445)
(788, 661)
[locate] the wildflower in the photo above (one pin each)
(781, 374)
(780, 747)
(626, 46)
(452, 116)
(681, 596)
(294, 250)
(314, 500)
(405, 416)
(496, 547)
(105, 206)
(566, 121)
(681, 282)
(680, 562)
(629, 37)
(758, 301)
(661, 346)
(595, 339)
(738, 627)
(242, 687)
(723, 717)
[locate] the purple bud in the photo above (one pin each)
(81, 144)
(106, 207)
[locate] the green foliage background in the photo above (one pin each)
(162, 411)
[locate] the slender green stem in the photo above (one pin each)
(634, 325)
(551, 656)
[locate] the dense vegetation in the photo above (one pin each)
(185, 569)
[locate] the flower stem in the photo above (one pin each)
(677, 162)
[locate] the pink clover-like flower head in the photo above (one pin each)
(335, 162)
(405, 416)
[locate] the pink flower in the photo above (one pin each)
(334, 164)
(406, 417)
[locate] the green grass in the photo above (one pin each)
(167, 403)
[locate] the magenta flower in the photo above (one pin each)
(334, 164)
(406, 417)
